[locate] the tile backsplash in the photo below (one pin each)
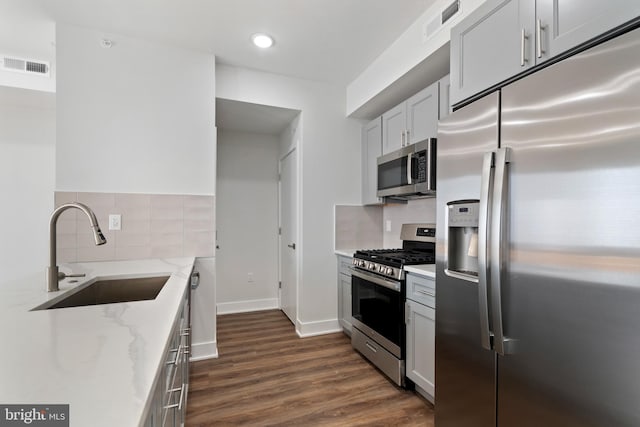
(152, 226)
(415, 211)
(358, 227)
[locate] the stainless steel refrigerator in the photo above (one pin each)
(538, 248)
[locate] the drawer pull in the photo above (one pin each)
(371, 347)
(180, 400)
(178, 352)
(429, 294)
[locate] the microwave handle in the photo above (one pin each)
(409, 168)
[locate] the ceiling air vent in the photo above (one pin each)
(25, 66)
(434, 25)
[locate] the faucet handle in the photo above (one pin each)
(62, 276)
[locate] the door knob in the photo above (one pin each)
(292, 246)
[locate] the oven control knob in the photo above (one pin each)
(372, 266)
(381, 269)
(354, 262)
(389, 270)
(361, 264)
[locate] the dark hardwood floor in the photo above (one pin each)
(267, 376)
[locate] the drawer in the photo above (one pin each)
(385, 361)
(344, 265)
(421, 289)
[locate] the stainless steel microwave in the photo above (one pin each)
(409, 172)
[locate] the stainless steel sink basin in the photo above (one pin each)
(111, 291)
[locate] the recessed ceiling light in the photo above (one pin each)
(262, 40)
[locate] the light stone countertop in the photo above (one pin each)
(428, 270)
(102, 360)
(345, 252)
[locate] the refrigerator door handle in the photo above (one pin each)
(499, 247)
(486, 336)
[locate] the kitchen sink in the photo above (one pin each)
(111, 291)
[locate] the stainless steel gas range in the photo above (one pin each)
(378, 298)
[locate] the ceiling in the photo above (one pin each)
(322, 40)
(245, 117)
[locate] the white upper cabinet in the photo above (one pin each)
(503, 38)
(422, 115)
(564, 24)
(445, 98)
(411, 121)
(491, 45)
(371, 150)
(394, 127)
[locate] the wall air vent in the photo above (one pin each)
(27, 66)
(450, 11)
(433, 26)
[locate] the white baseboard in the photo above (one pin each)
(203, 350)
(246, 306)
(310, 329)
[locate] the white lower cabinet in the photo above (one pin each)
(344, 293)
(421, 334)
(169, 401)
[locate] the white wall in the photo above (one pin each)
(403, 55)
(247, 221)
(138, 117)
(27, 154)
(329, 156)
(26, 32)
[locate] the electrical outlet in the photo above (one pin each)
(388, 225)
(115, 222)
(250, 277)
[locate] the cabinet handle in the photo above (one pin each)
(402, 138)
(407, 140)
(429, 294)
(371, 347)
(407, 313)
(539, 29)
(523, 39)
(175, 361)
(179, 404)
(185, 332)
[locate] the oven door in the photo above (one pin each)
(377, 306)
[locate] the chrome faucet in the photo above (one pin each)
(53, 275)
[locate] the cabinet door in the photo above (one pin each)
(371, 150)
(445, 101)
(421, 334)
(486, 47)
(422, 115)
(394, 125)
(345, 286)
(566, 23)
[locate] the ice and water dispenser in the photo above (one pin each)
(462, 239)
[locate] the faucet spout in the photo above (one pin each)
(53, 274)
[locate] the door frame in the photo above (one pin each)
(295, 147)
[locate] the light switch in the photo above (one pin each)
(388, 225)
(115, 222)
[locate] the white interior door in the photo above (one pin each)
(288, 235)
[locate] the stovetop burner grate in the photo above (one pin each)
(396, 256)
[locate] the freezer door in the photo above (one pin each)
(571, 289)
(465, 371)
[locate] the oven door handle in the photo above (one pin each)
(393, 285)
